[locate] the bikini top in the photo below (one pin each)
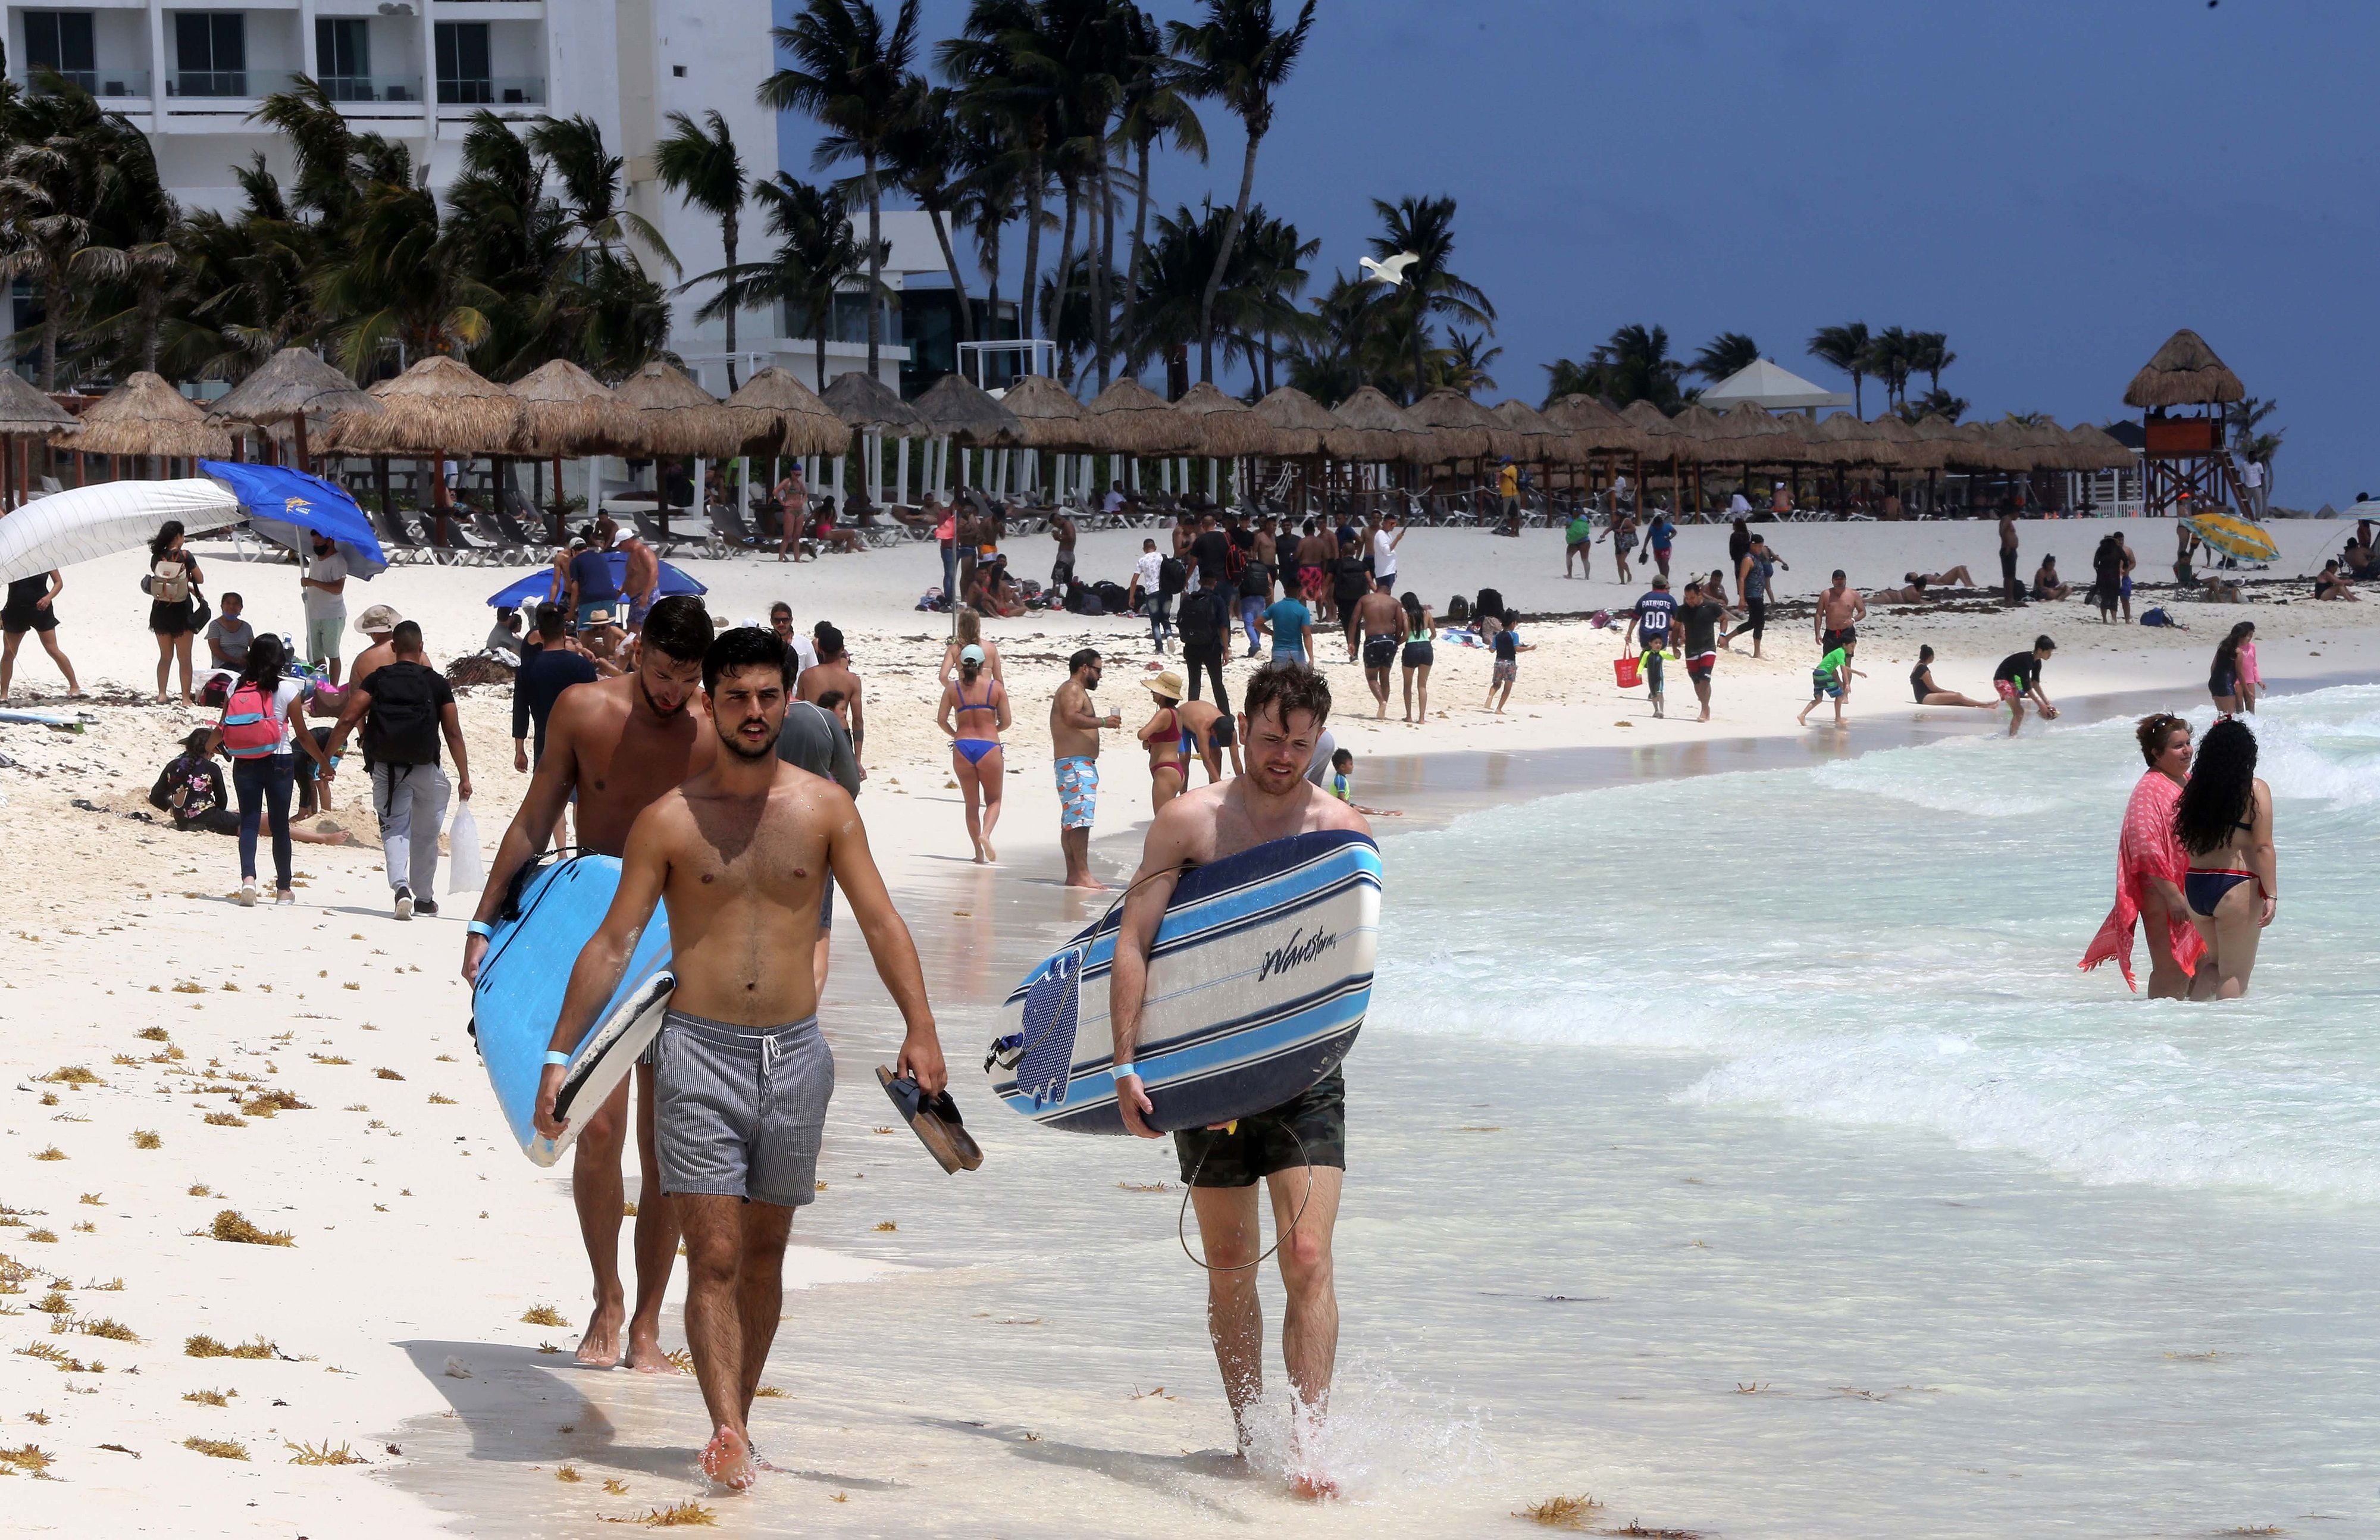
(986, 704)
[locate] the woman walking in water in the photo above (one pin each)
(974, 713)
(2150, 866)
(2223, 679)
(2225, 822)
(1419, 654)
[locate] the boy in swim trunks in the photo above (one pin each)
(1074, 726)
(1830, 679)
(743, 1074)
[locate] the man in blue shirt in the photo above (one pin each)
(592, 587)
(1290, 624)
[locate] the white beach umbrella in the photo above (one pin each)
(91, 521)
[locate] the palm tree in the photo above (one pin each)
(593, 194)
(48, 184)
(1008, 97)
(1846, 348)
(2244, 421)
(1890, 358)
(133, 255)
(1237, 56)
(1153, 107)
(817, 252)
(706, 171)
(1267, 284)
(1633, 365)
(1723, 355)
(1942, 404)
(1462, 363)
(1929, 353)
(926, 158)
(851, 73)
(994, 172)
(1425, 228)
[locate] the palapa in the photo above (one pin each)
(674, 416)
(1698, 436)
(1594, 428)
(293, 383)
(438, 407)
(2091, 448)
(1228, 428)
(146, 415)
(1373, 427)
(2185, 373)
(1523, 432)
(1755, 435)
(565, 410)
(1657, 436)
(25, 411)
(1459, 427)
(1138, 422)
(1048, 417)
(1297, 421)
(792, 418)
(959, 410)
(1843, 440)
(865, 404)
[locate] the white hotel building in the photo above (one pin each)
(192, 76)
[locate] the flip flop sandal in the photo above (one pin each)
(935, 1120)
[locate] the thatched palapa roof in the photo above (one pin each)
(2185, 373)
(146, 415)
(1698, 435)
(1227, 428)
(1594, 428)
(1523, 432)
(1755, 435)
(565, 410)
(24, 410)
(1657, 435)
(294, 382)
(867, 405)
(1460, 429)
(1297, 420)
(1138, 422)
(674, 416)
(790, 417)
(1050, 418)
(2091, 449)
(438, 407)
(1372, 428)
(958, 408)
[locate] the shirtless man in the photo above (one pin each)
(833, 675)
(1211, 730)
(1169, 766)
(1840, 609)
(618, 745)
(379, 625)
(642, 583)
(1316, 555)
(1382, 620)
(1298, 1149)
(1062, 571)
(740, 853)
(1074, 726)
(2007, 557)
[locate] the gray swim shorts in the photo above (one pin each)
(740, 1111)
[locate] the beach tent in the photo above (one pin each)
(280, 502)
(90, 522)
(1766, 384)
(537, 586)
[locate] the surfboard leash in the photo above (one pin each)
(1182, 1219)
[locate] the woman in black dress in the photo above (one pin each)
(174, 579)
(33, 606)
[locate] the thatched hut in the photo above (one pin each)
(1757, 436)
(961, 411)
(1227, 428)
(1136, 421)
(1523, 432)
(565, 410)
(1296, 421)
(790, 416)
(291, 386)
(438, 407)
(867, 405)
(1459, 427)
(27, 414)
(1048, 417)
(1596, 428)
(674, 416)
(147, 417)
(2090, 449)
(2185, 373)
(1373, 427)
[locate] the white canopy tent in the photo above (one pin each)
(90, 522)
(1778, 389)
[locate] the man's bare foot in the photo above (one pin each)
(600, 1349)
(1312, 1486)
(1086, 882)
(727, 1459)
(645, 1354)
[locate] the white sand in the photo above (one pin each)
(416, 1226)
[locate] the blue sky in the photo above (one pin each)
(2056, 186)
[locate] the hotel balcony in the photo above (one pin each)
(372, 88)
(109, 85)
(498, 90)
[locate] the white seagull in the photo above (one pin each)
(1392, 272)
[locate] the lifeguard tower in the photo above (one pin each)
(2185, 466)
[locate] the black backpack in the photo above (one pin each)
(1201, 618)
(1171, 576)
(1114, 598)
(403, 726)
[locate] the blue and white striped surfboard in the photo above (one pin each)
(1257, 984)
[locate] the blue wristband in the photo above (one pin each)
(555, 1056)
(1132, 1070)
(481, 928)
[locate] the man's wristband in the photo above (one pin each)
(481, 928)
(555, 1056)
(1123, 1070)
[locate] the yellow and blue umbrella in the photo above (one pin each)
(2234, 535)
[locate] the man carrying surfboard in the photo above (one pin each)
(740, 854)
(1298, 1149)
(616, 746)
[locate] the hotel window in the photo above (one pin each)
(210, 53)
(61, 41)
(464, 74)
(343, 55)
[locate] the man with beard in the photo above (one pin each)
(616, 746)
(740, 854)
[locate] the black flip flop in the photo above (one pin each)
(935, 1120)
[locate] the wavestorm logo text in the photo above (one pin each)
(1302, 949)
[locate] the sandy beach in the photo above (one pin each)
(182, 1071)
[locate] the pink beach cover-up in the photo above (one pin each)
(2148, 847)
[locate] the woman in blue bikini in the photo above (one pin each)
(976, 758)
(2225, 821)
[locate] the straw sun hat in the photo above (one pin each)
(1168, 684)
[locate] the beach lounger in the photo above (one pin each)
(398, 540)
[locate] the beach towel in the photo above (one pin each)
(2148, 843)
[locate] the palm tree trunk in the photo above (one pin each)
(875, 266)
(153, 325)
(1223, 260)
(1139, 245)
(1859, 407)
(1033, 190)
(53, 302)
(1056, 319)
(1103, 221)
(958, 283)
(728, 231)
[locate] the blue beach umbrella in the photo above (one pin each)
(281, 502)
(538, 585)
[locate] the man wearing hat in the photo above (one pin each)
(379, 623)
(1170, 745)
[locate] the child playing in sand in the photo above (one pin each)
(1833, 678)
(1509, 648)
